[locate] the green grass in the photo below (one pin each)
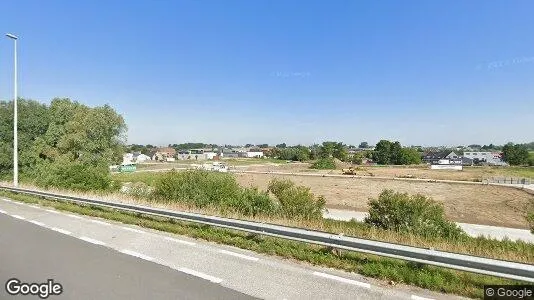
(429, 277)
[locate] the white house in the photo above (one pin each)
(255, 154)
(142, 158)
(127, 159)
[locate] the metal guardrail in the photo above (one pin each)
(499, 268)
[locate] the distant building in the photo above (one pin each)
(163, 154)
(490, 158)
(440, 157)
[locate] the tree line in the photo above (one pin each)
(63, 144)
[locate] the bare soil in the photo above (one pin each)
(477, 204)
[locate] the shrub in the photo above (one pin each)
(324, 164)
(414, 214)
(74, 176)
(530, 220)
(211, 189)
(296, 201)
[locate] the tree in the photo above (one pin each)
(363, 145)
(396, 154)
(333, 149)
(515, 154)
(283, 145)
(410, 156)
(65, 144)
(382, 152)
(357, 158)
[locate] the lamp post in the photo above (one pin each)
(15, 119)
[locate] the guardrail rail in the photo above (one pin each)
(480, 265)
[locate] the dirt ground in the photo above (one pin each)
(477, 204)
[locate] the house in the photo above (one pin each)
(254, 153)
(141, 158)
(440, 157)
(490, 158)
(164, 153)
(127, 158)
(196, 154)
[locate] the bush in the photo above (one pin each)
(324, 164)
(211, 189)
(296, 201)
(414, 214)
(75, 176)
(530, 220)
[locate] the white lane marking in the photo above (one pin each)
(18, 217)
(93, 241)
(180, 241)
(243, 256)
(74, 216)
(18, 203)
(137, 254)
(61, 230)
(414, 297)
(100, 222)
(34, 206)
(37, 223)
(341, 279)
(52, 211)
(132, 229)
(7, 200)
(3, 212)
(201, 275)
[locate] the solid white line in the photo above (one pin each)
(345, 280)
(93, 241)
(3, 212)
(132, 229)
(201, 275)
(52, 211)
(180, 241)
(61, 230)
(137, 254)
(100, 222)
(74, 216)
(18, 217)
(414, 297)
(239, 255)
(37, 223)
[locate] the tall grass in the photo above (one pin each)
(221, 190)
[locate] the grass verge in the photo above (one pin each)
(398, 271)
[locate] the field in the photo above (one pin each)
(488, 205)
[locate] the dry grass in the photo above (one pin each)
(513, 251)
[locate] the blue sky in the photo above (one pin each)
(268, 71)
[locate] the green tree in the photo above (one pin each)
(382, 152)
(515, 154)
(65, 144)
(410, 156)
(363, 145)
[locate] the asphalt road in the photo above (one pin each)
(86, 271)
(100, 259)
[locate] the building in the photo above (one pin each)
(141, 158)
(254, 153)
(490, 158)
(196, 154)
(440, 157)
(164, 154)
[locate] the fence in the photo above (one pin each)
(508, 180)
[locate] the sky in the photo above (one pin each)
(273, 71)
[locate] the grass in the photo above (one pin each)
(428, 277)
(480, 246)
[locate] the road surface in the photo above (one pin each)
(98, 259)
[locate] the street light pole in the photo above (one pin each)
(15, 118)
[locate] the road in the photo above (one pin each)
(86, 271)
(473, 230)
(98, 259)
